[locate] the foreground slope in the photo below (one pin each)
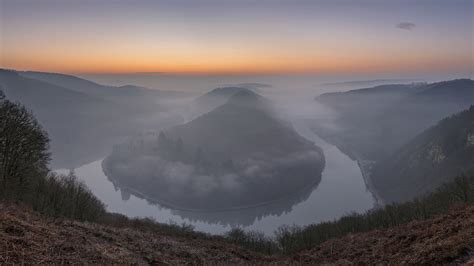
(29, 238)
(444, 239)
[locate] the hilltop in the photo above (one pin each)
(239, 154)
(211, 100)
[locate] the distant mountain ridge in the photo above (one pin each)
(392, 114)
(72, 82)
(133, 96)
(364, 83)
(79, 117)
(459, 90)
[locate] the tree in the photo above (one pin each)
(23, 144)
(179, 146)
(162, 140)
(198, 156)
(24, 170)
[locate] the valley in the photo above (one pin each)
(354, 175)
(333, 172)
(207, 132)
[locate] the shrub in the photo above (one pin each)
(23, 147)
(253, 240)
(291, 239)
(64, 196)
(24, 173)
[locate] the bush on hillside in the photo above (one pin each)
(24, 173)
(291, 239)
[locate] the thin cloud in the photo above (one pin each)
(406, 25)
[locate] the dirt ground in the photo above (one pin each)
(445, 239)
(29, 238)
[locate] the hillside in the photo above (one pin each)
(444, 239)
(72, 112)
(245, 123)
(29, 238)
(373, 123)
(430, 159)
(239, 154)
(66, 114)
(138, 98)
(211, 100)
(40, 96)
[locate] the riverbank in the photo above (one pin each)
(153, 200)
(341, 176)
(366, 167)
(364, 164)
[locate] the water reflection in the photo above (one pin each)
(342, 190)
(241, 217)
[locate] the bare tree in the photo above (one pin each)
(23, 144)
(24, 174)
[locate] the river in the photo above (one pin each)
(341, 191)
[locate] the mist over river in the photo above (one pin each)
(341, 191)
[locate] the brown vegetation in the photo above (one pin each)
(24, 173)
(434, 229)
(28, 237)
(445, 239)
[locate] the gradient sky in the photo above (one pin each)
(225, 36)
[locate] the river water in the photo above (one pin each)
(341, 191)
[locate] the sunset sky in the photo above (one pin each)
(225, 36)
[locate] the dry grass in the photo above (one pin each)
(445, 239)
(29, 238)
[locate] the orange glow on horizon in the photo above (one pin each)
(181, 57)
(231, 65)
(235, 37)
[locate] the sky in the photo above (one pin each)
(238, 37)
